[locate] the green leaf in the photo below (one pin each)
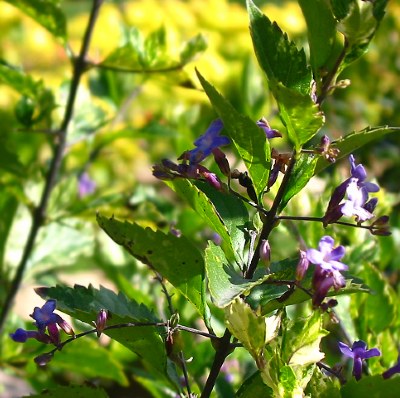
(302, 339)
(84, 304)
(249, 139)
(96, 362)
(278, 57)
(203, 206)
(224, 283)
(355, 140)
(234, 215)
(47, 13)
(372, 387)
(70, 392)
(36, 102)
(300, 115)
(192, 47)
(288, 381)
(359, 21)
(9, 160)
(176, 259)
(324, 43)
(253, 387)
(301, 174)
(252, 330)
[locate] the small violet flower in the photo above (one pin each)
(86, 185)
(44, 319)
(270, 133)
(327, 272)
(356, 202)
(207, 142)
(358, 352)
(393, 370)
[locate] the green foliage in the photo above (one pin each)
(47, 13)
(371, 386)
(249, 139)
(72, 392)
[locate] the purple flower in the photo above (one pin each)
(358, 171)
(270, 133)
(265, 252)
(358, 352)
(86, 185)
(326, 256)
(356, 202)
(44, 319)
(393, 370)
(207, 142)
(302, 265)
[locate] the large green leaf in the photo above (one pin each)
(277, 55)
(253, 387)
(47, 13)
(176, 259)
(300, 115)
(322, 35)
(355, 140)
(249, 139)
(70, 392)
(301, 174)
(84, 304)
(224, 283)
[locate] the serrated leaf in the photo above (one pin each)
(301, 174)
(355, 140)
(248, 138)
(203, 206)
(300, 115)
(176, 259)
(70, 392)
(84, 304)
(277, 55)
(224, 283)
(287, 379)
(47, 13)
(372, 387)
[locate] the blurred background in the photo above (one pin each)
(124, 122)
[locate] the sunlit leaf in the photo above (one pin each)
(355, 140)
(47, 13)
(371, 386)
(301, 174)
(224, 283)
(192, 47)
(249, 139)
(323, 386)
(277, 55)
(176, 259)
(254, 386)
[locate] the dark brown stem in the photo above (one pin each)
(39, 215)
(270, 218)
(223, 350)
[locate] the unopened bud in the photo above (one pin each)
(101, 321)
(265, 252)
(222, 162)
(44, 359)
(302, 266)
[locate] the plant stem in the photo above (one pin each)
(224, 349)
(270, 218)
(39, 215)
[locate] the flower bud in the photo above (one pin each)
(265, 252)
(44, 359)
(101, 321)
(302, 265)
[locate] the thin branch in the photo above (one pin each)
(185, 373)
(142, 71)
(331, 371)
(39, 216)
(160, 280)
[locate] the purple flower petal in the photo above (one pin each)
(346, 350)
(373, 352)
(325, 244)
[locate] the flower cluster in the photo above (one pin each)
(351, 198)
(45, 320)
